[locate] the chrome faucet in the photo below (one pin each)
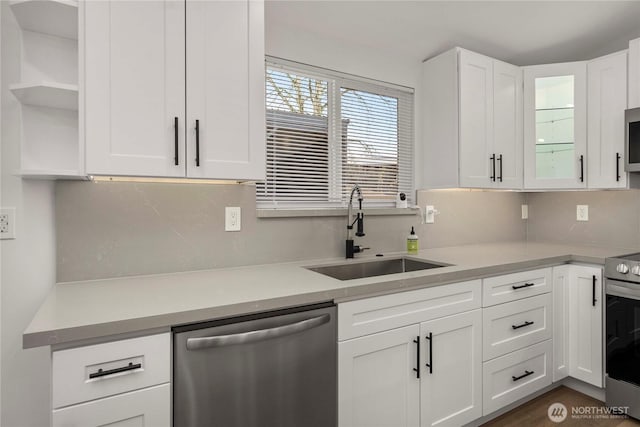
(359, 220)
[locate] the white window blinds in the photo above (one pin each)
(327, 132)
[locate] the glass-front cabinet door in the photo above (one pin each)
(555, 137)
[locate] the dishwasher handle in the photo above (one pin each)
(255, 336)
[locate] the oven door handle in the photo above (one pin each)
(255, 336)
(622, 291)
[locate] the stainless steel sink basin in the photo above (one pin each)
(359, 270)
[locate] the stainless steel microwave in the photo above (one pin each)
(632, 140)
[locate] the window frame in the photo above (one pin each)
(406, 134)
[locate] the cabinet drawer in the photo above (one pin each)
(508, 327)
(74, 370)
(515, 375)
(511, 287)
(148, 407)
(371, 315)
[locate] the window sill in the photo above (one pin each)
(294, 213)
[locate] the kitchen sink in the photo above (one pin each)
(360, 270)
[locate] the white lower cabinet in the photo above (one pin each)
(123, 383)
(578, 315)
(377, 384)
(585, 324)
(423, 364)
(147, 407)
(516, 375)
(511, 326)
(451, 386)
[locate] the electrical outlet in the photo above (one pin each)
(582, 212)
(430, 214)
(232, 219)
(8, 223)
(525, 211)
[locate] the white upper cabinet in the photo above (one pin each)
(140, 121)
(476, 119)
(472, 122)
(634, 74)
(225, 90)
(607, 88)
(555, 127)
(135, 77)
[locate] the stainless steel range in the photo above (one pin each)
(622, 319)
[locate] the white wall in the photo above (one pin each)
(27, 263)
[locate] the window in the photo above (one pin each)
(327, 131)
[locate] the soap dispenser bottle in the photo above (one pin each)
(412, 242)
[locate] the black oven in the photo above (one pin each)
(623, 336)
(632, 140)
(622, 348)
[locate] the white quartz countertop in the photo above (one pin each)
(89, 310)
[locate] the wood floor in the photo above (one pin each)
(534, 413)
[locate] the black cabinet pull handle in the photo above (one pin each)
(527, 323)
(618, 166)
(197, 142)
(175, 141)
(500, 160)
(594, 291)
(430, 364)
(102, 373)
(526, 374)
(417, 368)
(493, 168)
(526, 285)
(581, 168)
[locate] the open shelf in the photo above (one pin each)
(52, 95)
(55, 17)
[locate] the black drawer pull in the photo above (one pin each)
(581, 168)
(101, 373)
(593, 299)
(197, 142)
(493, 168)
(526, 374)
(618, 166)
(430, 364)
(175, 141)
(522, 325)
(500, 160)
(417, 368)
(526, 285)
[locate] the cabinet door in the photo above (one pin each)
(507, 124)
(146, 407)
(607, 85)
(134, 87)
(585, 324)
(555, 127)
(451, 390)
(377, 384)
(634, 74)
(476, 120)
(225, 89)
(561, 285)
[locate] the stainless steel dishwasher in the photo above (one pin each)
(269, 369)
